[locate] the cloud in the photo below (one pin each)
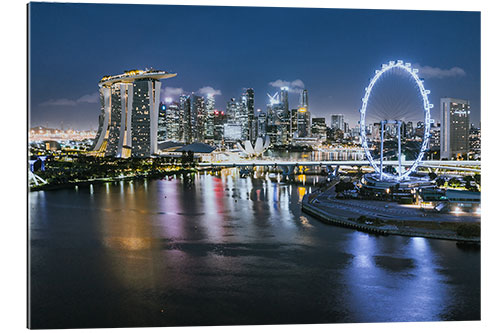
(209, 91)
(429, 72)
(172, 92)
(295, 86)
(89, 98)
(59, 102)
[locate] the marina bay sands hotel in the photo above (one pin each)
(128, 123)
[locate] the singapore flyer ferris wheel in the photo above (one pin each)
(402, 69)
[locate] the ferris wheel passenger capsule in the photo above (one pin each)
(400, 62)
(408, 64)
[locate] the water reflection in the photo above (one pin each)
(229, 250)
(406, 275)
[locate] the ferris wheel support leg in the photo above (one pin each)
(381, 148)
(399, 147)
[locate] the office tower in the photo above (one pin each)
(128, 123)
(294, 122)
(337, 122)
(174, 126)
(232, 110)
(261, 123)
(376, 129)
(318, 128)
(303, 122)
(248, 105)
(185, 107)
(232, 132)
(409, 130)
(435, 139)
(282, 123)
(197, 119)
(236, 116)
(284, 98)
(304, 102)
(454, 128)
(162, 122)
(219, 120)
(242, 117)
(475, 141)
(209, 121)
(403, 130)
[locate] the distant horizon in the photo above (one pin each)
(222, 50)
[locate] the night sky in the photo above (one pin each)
(331, 52)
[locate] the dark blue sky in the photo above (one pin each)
(333, 52)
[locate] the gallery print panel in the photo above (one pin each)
(211, 165)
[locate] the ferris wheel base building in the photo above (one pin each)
(128, 123)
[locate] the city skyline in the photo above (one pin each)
(296, 56)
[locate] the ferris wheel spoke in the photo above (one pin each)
(394, 107)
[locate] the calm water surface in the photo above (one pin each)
(216, 250)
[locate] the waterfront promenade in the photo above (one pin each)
(383, 217)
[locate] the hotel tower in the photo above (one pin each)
(128, 123)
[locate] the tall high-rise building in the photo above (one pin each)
(197, 118)
(233, 110)
(248, 105)
(303, 122)
(242, 117)
(284, 98)
(294, 128)
(220, 119)
(409, 131)
(454, 128)
(304, 102)
(435, 139)
(174, 122)
(128, 123)
(162, 122)
(318, 128)
(337, 122)
(261, 123)
(185, 108)
(209, 121)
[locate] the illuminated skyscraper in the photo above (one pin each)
(454, 128)
(249, 108)
(219, 120)
(304, 102)
(261, 123)
(318, 128)
(209, 120)
(128, 123)
(338, 122)
(304, 116)
(162, 122)
(174, 122)
(185, 108)
(303, 122)
(284, 98)
(198, 118)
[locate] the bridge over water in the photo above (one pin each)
(470, 166)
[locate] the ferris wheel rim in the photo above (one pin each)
(413, 72)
